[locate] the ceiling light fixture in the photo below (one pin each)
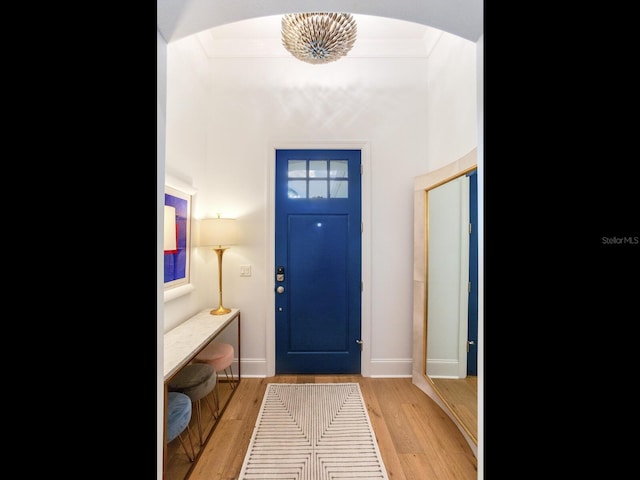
(318, 37)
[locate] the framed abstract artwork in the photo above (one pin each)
(177, 235)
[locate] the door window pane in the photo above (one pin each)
(339, 189)
(297, 169)
(317, 168)
(297, 189)
(339, 169)
(317, 189)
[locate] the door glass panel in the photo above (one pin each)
(317, 169)
(297, 169)
(297, 189)
(317, 189)
(339, 188)
(339, 169)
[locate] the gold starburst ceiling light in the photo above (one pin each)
(318, 37)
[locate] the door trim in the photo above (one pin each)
(270, 324)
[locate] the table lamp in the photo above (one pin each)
(219, 233)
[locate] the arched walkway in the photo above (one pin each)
(180, 18)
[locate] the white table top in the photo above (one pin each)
(182, 343)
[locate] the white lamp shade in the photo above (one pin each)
(217, 232)
(169, 228)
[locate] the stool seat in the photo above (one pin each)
(178, 414)
(178, 417)
(195, 380)
(218, 355)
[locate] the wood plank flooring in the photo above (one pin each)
(417, 440)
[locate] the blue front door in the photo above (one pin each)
(318, 261)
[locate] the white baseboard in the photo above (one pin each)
(390, 368)
(443, 368)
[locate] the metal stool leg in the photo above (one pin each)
(214, 412)
(193, 451)
(199, 420)
(232, 382)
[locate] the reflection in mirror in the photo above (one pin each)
(452, 314)
(445, 265)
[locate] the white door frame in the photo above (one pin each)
(270, 324)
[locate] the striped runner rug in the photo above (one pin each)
(313, 431)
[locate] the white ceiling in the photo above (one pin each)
(376, 37)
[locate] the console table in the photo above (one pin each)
(184, 342)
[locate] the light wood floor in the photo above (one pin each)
(417, 440)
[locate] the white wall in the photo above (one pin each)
(226, 116)
(188, 90)
(452, 94)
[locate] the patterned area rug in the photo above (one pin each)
(313, 431)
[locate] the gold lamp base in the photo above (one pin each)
(220, 310)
